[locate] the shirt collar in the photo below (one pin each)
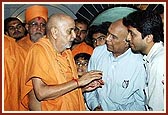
(154, 50)
(122, 55)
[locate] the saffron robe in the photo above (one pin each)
(52, 68)
(13, 67)
(82, 48)
(25, 43)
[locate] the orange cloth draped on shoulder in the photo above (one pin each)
(52, 68)
(13, 67)
(82, 48)
(25, 43)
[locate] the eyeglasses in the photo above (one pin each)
(13, 28)
(82, 64)
(36, 25)
(99, 39)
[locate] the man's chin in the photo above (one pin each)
(134, 50)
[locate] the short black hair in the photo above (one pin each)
(8, 20)
(82, 21)
(101, 28)
(146, 22)
(85, 56)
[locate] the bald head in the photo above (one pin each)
(58, 20)
(60, 31)
(115, 40)
(119, 27)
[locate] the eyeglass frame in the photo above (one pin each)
(100, 38)
(36, 25)
(83, 64)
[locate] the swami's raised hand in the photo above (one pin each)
(90, 76)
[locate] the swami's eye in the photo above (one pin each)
(69, 31)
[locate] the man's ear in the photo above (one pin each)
(54, 32)
(149, 38)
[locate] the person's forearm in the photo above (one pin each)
(46, 92)
(34, 104)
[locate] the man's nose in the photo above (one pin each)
(78, 33)
(128, 38)
(108, 38)
(73, 35)
(39, 27)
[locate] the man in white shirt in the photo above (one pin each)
(123, 74)
(146, 35)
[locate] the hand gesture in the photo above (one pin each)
(89, 77)
(93, 85)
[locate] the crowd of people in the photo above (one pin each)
(57, 63)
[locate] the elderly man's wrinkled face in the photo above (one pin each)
(37, 28)
(16, 29)
(116, 38)
(66, 34)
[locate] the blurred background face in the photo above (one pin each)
(98, 39)
(36, 28)
(81, 32)
(82, 65)
(16, 30)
